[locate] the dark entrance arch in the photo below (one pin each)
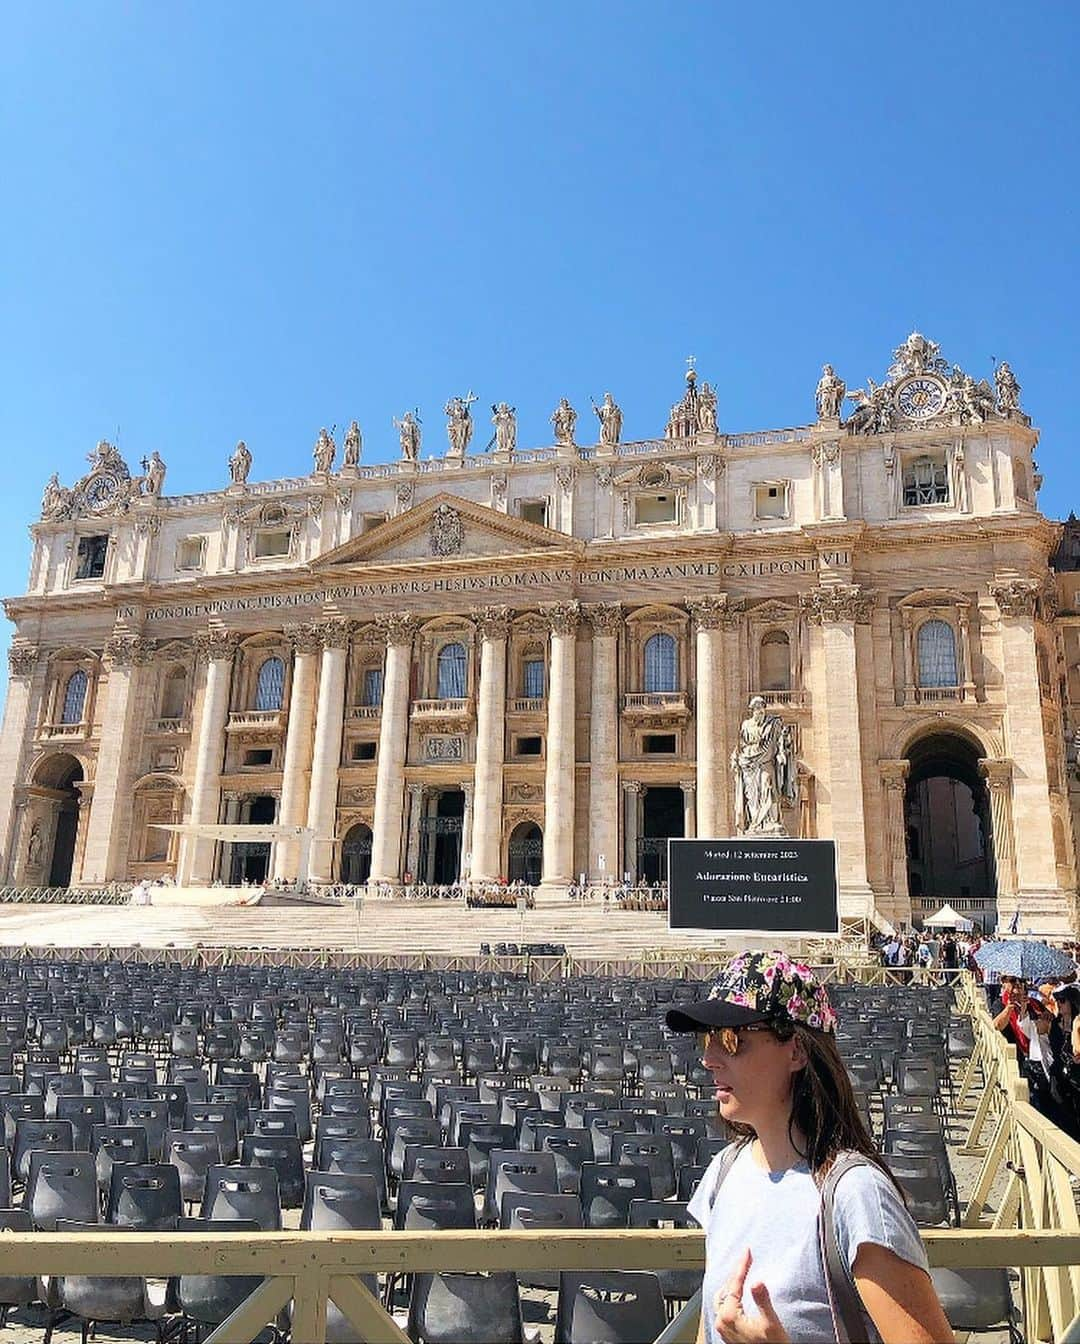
(356, 854)
(662, 819)
(526, 853)
(947, 826)
(59, 775)
(440, 839)
(250, 859)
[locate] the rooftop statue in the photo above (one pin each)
(504, 418)
(325, 449)
(1008, 389)
(917, 355)
(610, 417)
(56, 499)
(153, 474)
(873, 409)
(351, 448)
(564, 420)
(240, 464)
(830, 394)
(408, 428)
(459, 423)
(707, 409)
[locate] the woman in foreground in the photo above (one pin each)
(773, 1216)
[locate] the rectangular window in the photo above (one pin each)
(532, 678)
(189, 553)
(656, 508)
(372, 520)
(90, 557)
(269, 544)
(771, 499)
(659, 744)
(363, 751)
(533, 511)
(926, 481)
(372, 686)
(259, 756)
(529, 746)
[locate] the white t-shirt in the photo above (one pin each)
(776, 1214)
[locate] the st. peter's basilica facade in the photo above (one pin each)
(537, 663)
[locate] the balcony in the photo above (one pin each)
(524, 704)
(456, 713)
(63, 732)
(256, 721)
(356, 712)
(793, 699)
(169, 727)
(936, 695)
(657, 707)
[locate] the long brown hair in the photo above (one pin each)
(823, 1106)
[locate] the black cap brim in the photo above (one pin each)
(707, 1014)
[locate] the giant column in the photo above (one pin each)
(605, 618)
(485, 842)
(398, 631)
(561, 751)
(21, 708)
(839, 610)
(105, 856)
(1037, 893)
(216, 649)
(326, 754)
(709, 717)
(296, 768)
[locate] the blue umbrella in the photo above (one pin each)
(1023, 957)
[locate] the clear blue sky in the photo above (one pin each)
(251, 220)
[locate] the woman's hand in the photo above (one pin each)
(733, 1324)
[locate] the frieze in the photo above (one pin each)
(444, 748)
(129, 650)
(22, 658)
(1016, 597)
(838, 603)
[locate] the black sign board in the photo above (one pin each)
(753, 885)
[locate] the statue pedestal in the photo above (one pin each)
(349, 473)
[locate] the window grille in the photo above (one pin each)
(373, 686)
(270, 688)
(937, 654)
(533, 679)
(926, 481)
(74, 697)
(661, 664)
(452, 678)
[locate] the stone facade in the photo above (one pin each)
(535, 662)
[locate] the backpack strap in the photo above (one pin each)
(849, 1318)
(723, 1167)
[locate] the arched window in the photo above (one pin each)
(532, 678)
(74, 697)
(661, 663)
(937, 654)
(452, 678)
(775, 661)
(270, 688)
(174, 694)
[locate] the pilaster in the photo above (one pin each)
(558, 869)
(296, 768)
(386, 846)
(605, 621)
(484, 839)
(333, 635)
(214, 650)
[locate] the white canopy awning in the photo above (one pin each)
(258, 834)
(947, 918)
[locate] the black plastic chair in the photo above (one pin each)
(38, 1135)
(437, 1165)
(652, 1151)
(244, 1193)
(676, 1284)
(208, 1299)
(61, 1185)
(607, 1191)
(192, 1153)
(115, 1299)
(284, 1154)
(465, 1309)
(145, 1196)
(357, 1157)
(977, 1299)
(540, 1212)
(15, 1290)
(217, 1118)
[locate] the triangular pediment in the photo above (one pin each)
(444, 529)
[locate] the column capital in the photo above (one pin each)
(605, 618)
(562, 617)
(467, 790)
(632, 786)
(894, 773)
(417, 791)
(304, 638)
(997, 772)
(1016, 597)
(688, 785)
(215, 645)
(334, 632)
(493, 622)
(21, 659)
(838, 604)
(127, 650)
(710, 612)
(233, 796)
(396, 629)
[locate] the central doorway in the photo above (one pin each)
(440, 839)
(526, 853)
(249, 860)
(356, 854)
(663, 818)
(59, 776)
(950, 855)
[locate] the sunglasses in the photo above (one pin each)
(730, 1039)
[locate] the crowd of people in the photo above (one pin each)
(1042, 1022)
(930, 951)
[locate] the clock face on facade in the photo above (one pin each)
(100, 492)
(919, 398)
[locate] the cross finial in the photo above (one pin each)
(691, 360)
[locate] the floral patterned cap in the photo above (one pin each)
(759, 987)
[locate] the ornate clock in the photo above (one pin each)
(101, 492)
(920, 398)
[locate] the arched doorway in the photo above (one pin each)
(440, 839)
(662, 819)
(525, 855)
(950, 851)
(53, 823)
(249, 860)
(356, 854)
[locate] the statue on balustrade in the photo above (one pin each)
(240, 464)
(408, 428)
(610, 417)
(765, 772)
(325, 448)
(831, 391)
(564, 420)
(459, 423)
(707, 421)
(154, 474)
(1008, 389)
(350, 456)
(504, 418)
